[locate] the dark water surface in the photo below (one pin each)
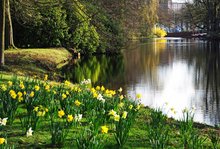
(181, 72)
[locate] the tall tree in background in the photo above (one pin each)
(10, 37)
(7, 39)
(2, 18)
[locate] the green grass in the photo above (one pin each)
(29, 62)
(137, 137)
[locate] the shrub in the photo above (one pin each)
(159, 32)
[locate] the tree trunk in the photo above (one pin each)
(2, 59)
(10, 27)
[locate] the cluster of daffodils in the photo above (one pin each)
(113, 115)
(65, 105)
(40, 110)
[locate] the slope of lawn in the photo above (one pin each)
(35, 61)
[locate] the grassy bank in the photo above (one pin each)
(30, 62)
(150, 128)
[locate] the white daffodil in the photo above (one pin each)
(3, 121)
(29, 132)
(100, 98)
(78, 117)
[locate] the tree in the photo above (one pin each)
(2, 18)
(10, 39)
(204, 14)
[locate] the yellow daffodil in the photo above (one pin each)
(36, 109)
(20, 99)
(67, 83)
(130, 107)
(138, 107)
(121, 104)
(104, 129)
(20, 94)
(45, 77)
(79, 90)
(124, 115)
(2, 140)
(13, 94)
(95, 95)
(31, 94)
(77, 103)
(3, 87)
(93, 90)
(64, 96)
(112, 112)
(21, 85)
(116, 117)
(47, 87)
(98, 88)
(121, 97)
(102, 88)
(37, 88)
(69, 118)
(61, 113)
(54, 92)
(138, 96)
(25, 93)
(40, 113)
(67, 92)
(10, 83)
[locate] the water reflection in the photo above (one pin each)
(100, 69)
(185, 74)
(211, 81)
(182, 72)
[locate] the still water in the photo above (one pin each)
(181, 72)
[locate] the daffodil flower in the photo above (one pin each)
(104, 129)
(29, 132)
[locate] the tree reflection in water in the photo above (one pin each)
(100, 69)
(211, 81)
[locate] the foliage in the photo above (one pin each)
(88, 26)
(47, 29)
(159, 32)
(85, 38)
(189, 135)
(214, 136)
(158, 130)
(53, 29)
(149, 17)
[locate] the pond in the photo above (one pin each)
(181, 72)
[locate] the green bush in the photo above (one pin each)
(85, 38)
